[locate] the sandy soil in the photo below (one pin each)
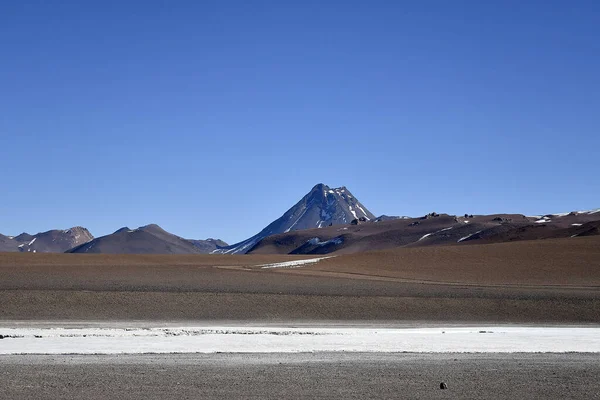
(295, 376)
(530, 281)
(557, 262)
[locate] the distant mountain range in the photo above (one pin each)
(149, 239)
(326, 220)
(54, 241)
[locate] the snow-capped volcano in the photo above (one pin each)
(324, 206)
(321, 207)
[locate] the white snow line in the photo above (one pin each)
(363, 211)
(300, 217)
(317, 241)
(468, 236)
(30, 243)
(352, 211)
(243, 246)
(433, 233)
(576, 224)
(293, 264)
(563, 214)
(424, 236)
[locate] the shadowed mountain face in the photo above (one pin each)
(209, 245)
(432, 229)
(54, 241)
(149, 239)
(321, 207)
(8, 243)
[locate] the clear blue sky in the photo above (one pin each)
(212, 118)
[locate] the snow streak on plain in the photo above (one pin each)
(294, 264)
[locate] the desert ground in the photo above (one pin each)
(543, 281)
(301, 376)
(554, 282)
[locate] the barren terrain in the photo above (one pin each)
(301, 376)
(551, 281)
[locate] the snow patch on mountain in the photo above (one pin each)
(433, 233)
(468, 236)
(317, 242)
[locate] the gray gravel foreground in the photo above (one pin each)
(305, 375)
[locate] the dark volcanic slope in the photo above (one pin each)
(54, 241)
(433, 229)
(321, 207)
(149, 239)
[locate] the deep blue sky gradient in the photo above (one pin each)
(211, 118)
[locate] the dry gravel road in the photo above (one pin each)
(295, 376)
